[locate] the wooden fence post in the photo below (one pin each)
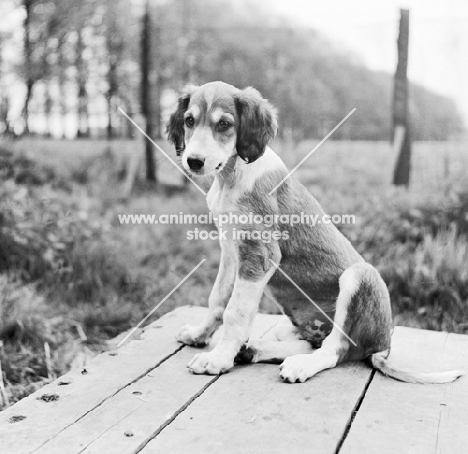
(401, 129)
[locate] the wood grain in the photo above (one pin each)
(250, 410)
(411, 418)
(145, 400)
(133, 416)
(106, 375)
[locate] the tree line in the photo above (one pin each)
(86, 58)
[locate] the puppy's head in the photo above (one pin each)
(216, 121)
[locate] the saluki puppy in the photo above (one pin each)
(338, 304)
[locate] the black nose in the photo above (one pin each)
(195, 163)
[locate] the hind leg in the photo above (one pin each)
(275, 345)
(271, 351)
(362, 325)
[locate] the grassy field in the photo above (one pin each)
(72, 277)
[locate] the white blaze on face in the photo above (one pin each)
(207, 141)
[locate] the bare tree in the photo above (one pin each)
(62, 64)
(28, 67)
(81, 77)
(115, 47)
(146, 101)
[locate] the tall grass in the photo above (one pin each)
(429, 284)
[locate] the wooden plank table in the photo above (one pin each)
(142, 399)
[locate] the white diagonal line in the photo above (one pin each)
(315, 148)
(268, 297)
(157, 307)
(162, 151)
(273, 300)
(313, 302)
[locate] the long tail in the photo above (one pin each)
(380, 362)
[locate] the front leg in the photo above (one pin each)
(200, 335)
(254, 272)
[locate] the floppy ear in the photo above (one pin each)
(257, 124)
(175, 125)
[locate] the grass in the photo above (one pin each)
(71, 276)
(429, 287)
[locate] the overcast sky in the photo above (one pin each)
(438, 36)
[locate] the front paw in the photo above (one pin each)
(192, 335)
(211, 363)
(295, 369)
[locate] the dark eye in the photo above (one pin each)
(189, 122)
(223, 125)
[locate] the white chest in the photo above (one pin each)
(221, 200)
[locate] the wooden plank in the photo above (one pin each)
(402, 417)
(452, 436)
(247, 410)
(250, 410)
(31, 422)
(128, 421)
